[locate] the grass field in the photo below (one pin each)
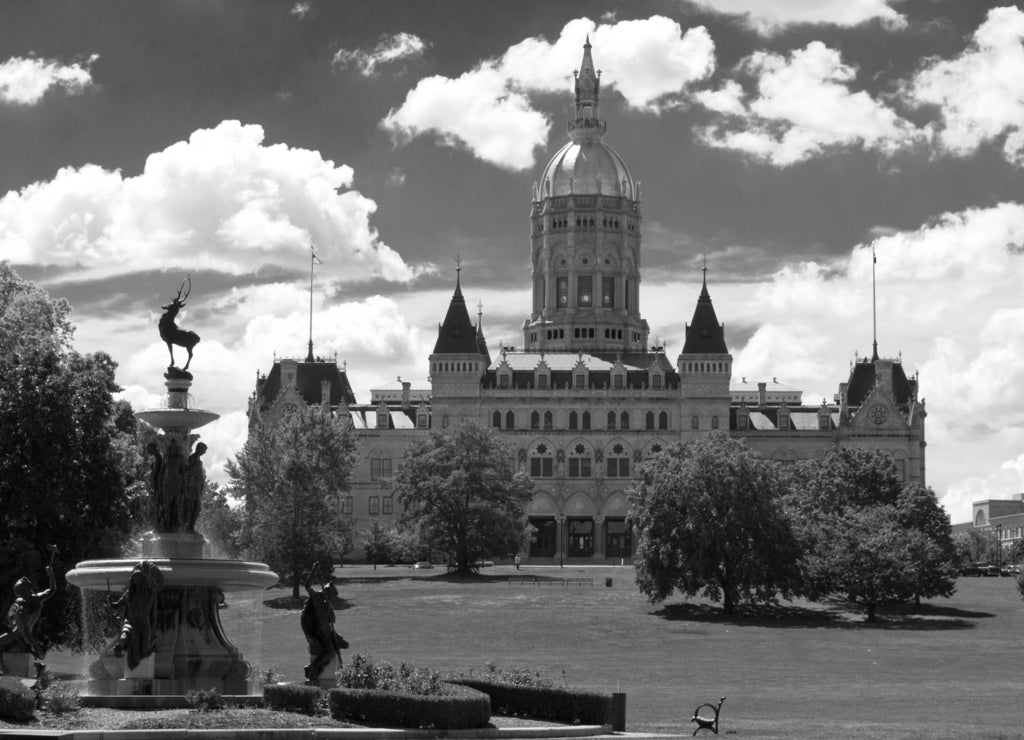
(952, 670)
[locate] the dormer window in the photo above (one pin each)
(422, 419)
(581, 381)
(618, 381)
(382, 419)
(656, 380)
(504, 380)
(542, 381)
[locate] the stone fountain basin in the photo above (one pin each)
(226, 575)
(177, 418)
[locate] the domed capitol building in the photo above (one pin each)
(587, 398)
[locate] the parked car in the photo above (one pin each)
(1010, 570)
(483, 564)
(980, 570)
(423, 564)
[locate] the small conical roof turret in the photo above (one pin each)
(481, 342)
(587, 125)
(704, 335)
(456, 335)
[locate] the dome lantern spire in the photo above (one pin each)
(587, 126)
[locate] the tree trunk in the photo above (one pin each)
(296, 575)
(728, 600)
(871, 612)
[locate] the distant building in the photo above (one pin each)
(1003, 517)
(587, 399)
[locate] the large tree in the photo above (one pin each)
(933, 554)
(866, 537)
(709, 519)
(71, 472)
(462, 495)
(290, 476)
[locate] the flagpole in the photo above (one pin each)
(312, 257)
(874, 309)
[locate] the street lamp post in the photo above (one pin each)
(999, 548)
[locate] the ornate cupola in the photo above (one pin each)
(459, 358)
(585, 239)
(705, 367)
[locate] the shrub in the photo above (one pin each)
(459, 708)
(17, 701)
(362, 673)
(204, 700)
(569, 706)
(59, 699)
(292, 697)
(517, 676)
(264, 676)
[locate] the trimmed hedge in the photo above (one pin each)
(565, 705)
(291, 697)
(462, 708)
(17, 701)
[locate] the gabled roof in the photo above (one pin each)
(457, 335)
(704, 335)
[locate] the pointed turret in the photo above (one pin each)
(587, 126)
(457, 334)
(705, 366)
(481, 342)
(704, 335)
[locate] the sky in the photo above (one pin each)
(781, 140)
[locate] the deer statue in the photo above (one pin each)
(170, 332)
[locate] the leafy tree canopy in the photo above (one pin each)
(71, 472)
(462, 494)
(865, 536)
(290, 477)
(708, 516)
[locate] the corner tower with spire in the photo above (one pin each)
(705, 369)
(585, 239)
(458, 361)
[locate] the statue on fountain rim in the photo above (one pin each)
(23, 616)
(137, 638)
(317, 622)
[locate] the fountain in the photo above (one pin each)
(171, 637)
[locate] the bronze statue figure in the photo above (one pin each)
(137, 639)
(23, 616)
(170, 332)
(195, 480)
(317, 621)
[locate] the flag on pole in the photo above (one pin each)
(316, 259)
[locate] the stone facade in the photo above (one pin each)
(586, 399)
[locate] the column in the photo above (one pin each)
(559, 539)
(599, 538)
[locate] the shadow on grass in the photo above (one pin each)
(846, 616)
(288, 603)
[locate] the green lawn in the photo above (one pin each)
(803, 670)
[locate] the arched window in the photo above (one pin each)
(496, 420)
(624, 420)
(663, 420)
(548, 420)
(510, 420)
(611, 419)
(535, 420)
(586, 420)
(542, 464)
(573, 420)
(580, 461)
(649, 420)
(617, 462)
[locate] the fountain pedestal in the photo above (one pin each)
(191, 650)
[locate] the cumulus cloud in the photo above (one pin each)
(389, 50)
(222, 200)
(941, 303)
(24, 81)
(980, 93)
(803, 106)
(488, 110)
(768, 16)
(301, 9)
